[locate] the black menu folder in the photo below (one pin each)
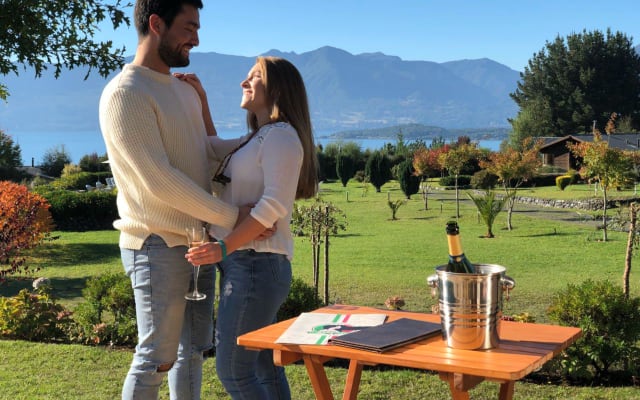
(381, 338)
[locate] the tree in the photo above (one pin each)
(10, 158)
(58, 33)
(489, 207)
(409, 182)
(627, 219)
(26, 222)
(609, 167)
(632, 241)
(318, 221)
(394, 205)
(54, 160)
(454, 161)
(94, 163)
(330, 154)
(345, 168)
(513, 167)
(378, 169)
(529, 122)
(570, 83)
(425, 161)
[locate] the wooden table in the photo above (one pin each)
(523, 348)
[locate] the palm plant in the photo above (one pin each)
(488, 207)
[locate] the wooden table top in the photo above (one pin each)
(523, 348)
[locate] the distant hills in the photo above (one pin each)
(346, 92)
(412, 132)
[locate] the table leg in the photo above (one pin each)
(458, 385)
(318, 376)
(506, 390)
(353, 381)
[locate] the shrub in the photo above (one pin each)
(79, 180)
(26, 223)
(610, 324)
(302, 298)
(33, 316)
(575, 176)
(563, 181)
(70, 169)
(450, 181)
(483, 179)
(359, 176)
(109, 314)
(82, 211)
(541, 180)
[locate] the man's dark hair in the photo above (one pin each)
(165, 9)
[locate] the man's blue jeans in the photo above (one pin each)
(252, 288)
(173, 332)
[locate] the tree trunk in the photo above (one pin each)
(511, 201)
(457, 199)
(604, 214)
(326, 257)
(425, 196)
(630, 241)
(314, 256)
(315, 247)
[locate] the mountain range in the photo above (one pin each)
(346, 91)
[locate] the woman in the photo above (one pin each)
(274, 165)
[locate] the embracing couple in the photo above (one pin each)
(162, 146)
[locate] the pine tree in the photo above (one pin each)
(345, 168)
(378, 169)
(409, 182)
(574, 81)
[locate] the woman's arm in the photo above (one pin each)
(210, 253)
(193, 80)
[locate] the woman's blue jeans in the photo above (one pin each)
(173, 332)
(252, 288)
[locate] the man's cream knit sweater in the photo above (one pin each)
(159, 155)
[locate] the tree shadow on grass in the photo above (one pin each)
(78, 253)
(425, 218)
(63, 288)
(553, 232)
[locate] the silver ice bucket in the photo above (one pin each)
(471, 305)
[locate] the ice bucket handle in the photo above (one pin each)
(432, 281)
(507, 284)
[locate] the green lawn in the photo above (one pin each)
(373, 259)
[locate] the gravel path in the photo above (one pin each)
(446, 200)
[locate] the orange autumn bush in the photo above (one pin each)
(25, 222)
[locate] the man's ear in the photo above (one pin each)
(156, 24)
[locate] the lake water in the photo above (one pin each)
(34, 145)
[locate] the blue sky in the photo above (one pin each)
(506, 31)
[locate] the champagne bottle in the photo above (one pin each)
(458, 262)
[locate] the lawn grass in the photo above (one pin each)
(373, 259)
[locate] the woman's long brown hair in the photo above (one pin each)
(288, 97)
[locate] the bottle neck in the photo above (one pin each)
(455, 247)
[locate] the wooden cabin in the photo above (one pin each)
(555, 152)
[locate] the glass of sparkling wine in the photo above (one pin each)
(196, 236)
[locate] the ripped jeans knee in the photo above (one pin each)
(164, 367)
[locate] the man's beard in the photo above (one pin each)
(173, 58)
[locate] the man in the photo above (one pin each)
(159, 154)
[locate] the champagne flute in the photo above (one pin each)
(196, 236)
